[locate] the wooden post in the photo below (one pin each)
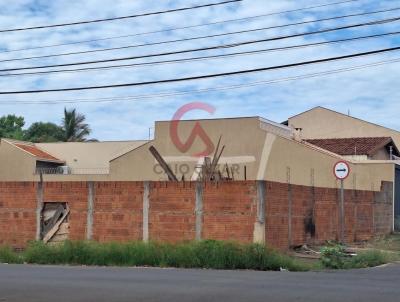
(163, 164)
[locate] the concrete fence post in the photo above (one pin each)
(199, 209)
(146, 208)
(290, 208)
(90, 211)
(39, 208)
(259, 225)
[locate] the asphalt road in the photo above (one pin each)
(57, 284)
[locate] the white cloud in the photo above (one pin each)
(368, 93)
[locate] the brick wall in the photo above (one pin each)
(17, 213)
(229, 211)
(294, 215)
(118, 211)
(75, 195)
(171, 213)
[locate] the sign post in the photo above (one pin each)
(341, 171)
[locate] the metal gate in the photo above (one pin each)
(397, 199)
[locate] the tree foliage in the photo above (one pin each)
(44, 133)
(74, 126)
(11, 126)
(72, 129)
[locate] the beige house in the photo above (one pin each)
(254, 149)
(320, 122)
(24, 161)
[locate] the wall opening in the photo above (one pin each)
(55, 222)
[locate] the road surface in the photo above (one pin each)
(57, 284)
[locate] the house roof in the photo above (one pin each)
(35, 151)
(90, 156)
(354, 145)
(338, 113)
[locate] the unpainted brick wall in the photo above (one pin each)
(171, 214)
(17, 213)
(229, 212)
(118, 208)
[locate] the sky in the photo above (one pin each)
(369, 93)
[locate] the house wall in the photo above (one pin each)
(282, 214)
(241, 149)
(381, 154)
(266, 156)
(15, 164)
(297, 163)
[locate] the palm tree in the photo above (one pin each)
(74, 126)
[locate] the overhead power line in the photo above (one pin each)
(235, 54)
(204, 90)
(223, 46)
(120, 18)
(208, 76)
(180, 28)
(199, 37)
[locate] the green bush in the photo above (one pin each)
(202, 254)
(333, 257)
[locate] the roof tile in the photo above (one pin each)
(36, 151)
(351, 146)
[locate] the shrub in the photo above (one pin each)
(333, 257)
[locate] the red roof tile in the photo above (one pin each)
(352, 146)
(36, 151)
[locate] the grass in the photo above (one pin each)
(368, 259)
(204, 254)
(388, 243)
(7, 255)
(334, 257)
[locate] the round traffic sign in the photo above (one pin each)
(341, 170)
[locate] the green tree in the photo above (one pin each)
(44, 133)
(11, 126)
(74, 126)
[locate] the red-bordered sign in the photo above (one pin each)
(341, 170)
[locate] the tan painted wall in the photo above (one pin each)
(265, 154)
(89, 157)
(381, 154)
(243, 140)
(302, 160)
(324, 123)
(15, 164)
